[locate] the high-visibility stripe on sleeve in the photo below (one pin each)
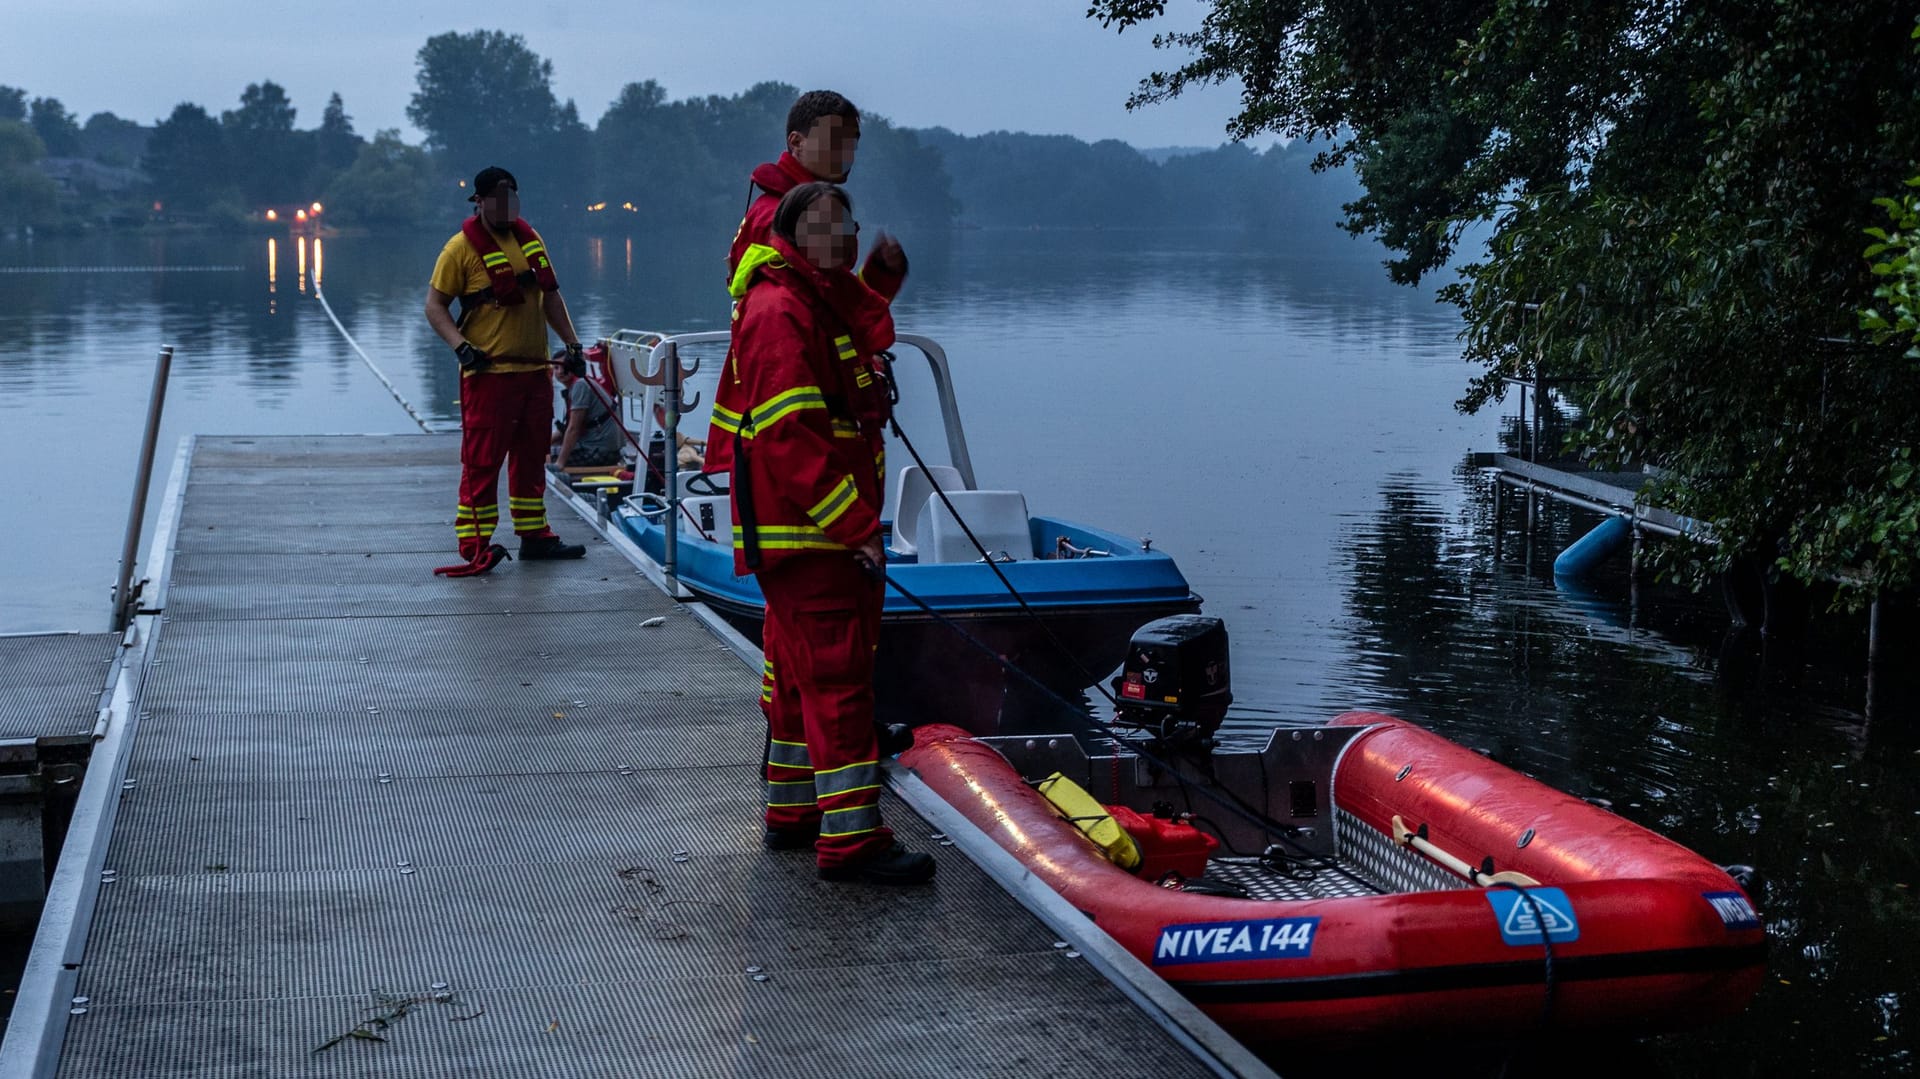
(846, 429)
(835, 505)
(854, 821)
(846, 779)
(726, 419)
(781, 405)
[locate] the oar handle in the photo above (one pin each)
(1407, 837)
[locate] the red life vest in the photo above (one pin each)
(505, 286)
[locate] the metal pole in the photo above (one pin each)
(670, 404)
(124, 591)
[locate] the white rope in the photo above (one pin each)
(371, 366)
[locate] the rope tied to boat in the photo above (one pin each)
(1546, 943)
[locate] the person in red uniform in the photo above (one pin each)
(823, 135)
(806, 515)
(497, 267)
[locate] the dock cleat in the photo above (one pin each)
(545, 546)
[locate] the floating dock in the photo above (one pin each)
(347, 818)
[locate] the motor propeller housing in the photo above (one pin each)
(1176, 683)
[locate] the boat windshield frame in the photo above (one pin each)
(653, 375)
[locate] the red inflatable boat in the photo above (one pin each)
(1410, 884)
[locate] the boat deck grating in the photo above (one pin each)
(53, 684)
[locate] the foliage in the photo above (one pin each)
(485, 98)
(336, 144)
(1675, 193)
(270, 159)
(187, 159)
(387, 185)
(13, 103)
(30, 195)
(55, 126)
(108, 139)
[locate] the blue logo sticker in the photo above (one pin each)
(1518, 925)
(1219, 942)
(1733, 909)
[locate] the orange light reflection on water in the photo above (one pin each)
(302, 241)
(319, 262)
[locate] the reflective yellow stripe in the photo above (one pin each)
(726, 419)
(781, 405)
(847, 779)
(835, 505)
(862, 379)
(846, 429)
(498, 258)
(849, 354)
(788, 754)
(785, 538)
(854, 821)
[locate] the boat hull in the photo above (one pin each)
(1644, 934)
(1083, 613)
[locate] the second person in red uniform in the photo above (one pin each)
(806, 480)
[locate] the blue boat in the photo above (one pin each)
(1088, 588)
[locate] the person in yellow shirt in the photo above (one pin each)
(497, 267)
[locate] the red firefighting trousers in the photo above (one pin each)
(822, 625)
(504, 417)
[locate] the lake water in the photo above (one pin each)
(1278, 419)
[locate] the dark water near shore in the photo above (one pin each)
(1279, 420)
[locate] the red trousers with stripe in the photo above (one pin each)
(504, 418)
(822, 626)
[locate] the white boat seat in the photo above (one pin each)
(912, 489)
(714, 514)
(998, 520)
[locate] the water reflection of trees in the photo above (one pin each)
(1485, 654)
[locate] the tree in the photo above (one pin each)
(484, 98)
(1675, 193)
(338, 146)
(269, 157)
(13, 103)
(187, 158)
(112, 141)
(31, 197)
(387, 184)
(55, 126)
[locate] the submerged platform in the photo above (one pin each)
(368, 821)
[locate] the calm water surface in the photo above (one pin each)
(1280, 420)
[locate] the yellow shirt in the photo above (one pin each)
(498, 331)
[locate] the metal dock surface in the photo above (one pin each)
(377, 822)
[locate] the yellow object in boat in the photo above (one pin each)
(1085, 812)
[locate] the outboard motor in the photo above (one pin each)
(1175, 683)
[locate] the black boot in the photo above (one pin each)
(548, 547)
(790, 838)
(895, 865)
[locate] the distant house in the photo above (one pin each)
(82, 177)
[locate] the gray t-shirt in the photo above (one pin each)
(600, 440)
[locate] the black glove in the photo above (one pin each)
(472, 359)
(576, 362)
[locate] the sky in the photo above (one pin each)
(969, 65)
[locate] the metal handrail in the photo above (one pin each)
(125, 593)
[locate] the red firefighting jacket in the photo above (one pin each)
(806, 471)
(774, 179)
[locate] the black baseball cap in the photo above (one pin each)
(487, 179)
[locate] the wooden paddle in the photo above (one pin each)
(1407, 837)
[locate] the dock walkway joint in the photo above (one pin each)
(378, 822)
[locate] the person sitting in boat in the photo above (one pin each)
(591, 435)
(806, 515)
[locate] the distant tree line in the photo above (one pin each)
(647, 163)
